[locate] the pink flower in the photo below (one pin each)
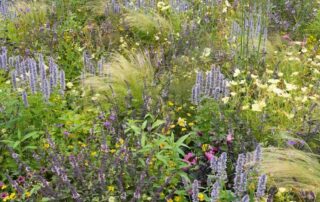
(230, 138)
(209, 155)
(190, 158)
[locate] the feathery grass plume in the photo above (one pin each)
(132, 70)
(146, 25)
(291, 168)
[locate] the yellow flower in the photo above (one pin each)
(94, 153)
(111, 188)
(191, 124)
(172, 126)
(183, 129)
(119, 143)
(201, 197)
(181, 122)
(170, 103)
(12, 196)
(258, 106)
(46, 145)
(204, 147)
(169, 200)
(177, 198)
(27, 194)
(112, 151)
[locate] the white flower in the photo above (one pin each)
(290, 87)
(245, 107)
(206, 52)
(225, 99)
(273, 81)
(258, 106)
(254, 76)
(269, 71)
(69, 85)
(227, 3)
(236, 72)
(233, 83)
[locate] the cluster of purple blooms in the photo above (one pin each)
(5, 9)
(28, 72)
(92, 67)
(214, 85)
(245, 164)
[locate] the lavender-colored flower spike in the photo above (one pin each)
(4, 58)
(33, 79)
(195, 191)
(242, 187)
(222, 166)
(46, 90)
(257, 154)
(261, 187)
(239, 169)
(25, 99)
(215, 192)
(214, 164)
(246, 198)
(14, 79)
(62, 82)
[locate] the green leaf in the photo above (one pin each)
(143, 139)
(144, 124)
(32, 135)
(157, 123)
(182, 139)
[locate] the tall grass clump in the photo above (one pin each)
(146, 26)
(292, 168)
(127, 77)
